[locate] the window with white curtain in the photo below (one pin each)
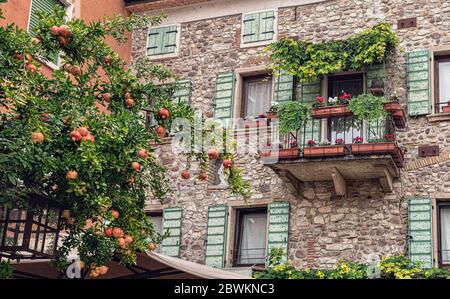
(251, 237)
(443, 82)
(257, 95)
(444, 216)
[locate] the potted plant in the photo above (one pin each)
(272, 113)
(335, 107)
(282, 153)
(446, 109)
(325, 149)
(393, 104)
(378, 146)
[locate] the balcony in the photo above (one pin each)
(348, 155)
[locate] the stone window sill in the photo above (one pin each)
(437, 117)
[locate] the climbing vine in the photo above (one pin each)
(309, 60)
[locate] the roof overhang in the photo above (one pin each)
(149, 266)
(149, 5)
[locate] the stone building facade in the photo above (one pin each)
(367, 222)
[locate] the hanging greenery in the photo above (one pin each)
(367, 107)
(309, 60)
(293, 115)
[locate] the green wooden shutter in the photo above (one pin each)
(172, 222)
(223, 103)
(420, 231)
(266, 28)
(216, 236)
(155, 41)
(169, 39)
(283, 89)
(307, 93)
(43, 6)
(251, 28)
(375, 72)
(183, 91)
(278, 235)
(418, 82)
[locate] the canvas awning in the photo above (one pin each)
(149, 266)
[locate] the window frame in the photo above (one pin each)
(264, 42)
(255, 78)
(157, 213)
(437, 59)
(164, 55)
(239, 213)
(440, 205)
(69, 8)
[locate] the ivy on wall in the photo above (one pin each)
(308, 60)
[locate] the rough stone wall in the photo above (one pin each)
(322, 229)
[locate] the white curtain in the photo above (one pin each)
(444, 82)
(258, 97)
(445, 235)
(253, 240)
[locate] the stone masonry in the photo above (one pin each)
(322, 228)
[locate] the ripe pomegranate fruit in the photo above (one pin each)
(89, 138)
(115, 214)
(151, 246)
(18, 57)
(75, 135)
(67, 67)
(64, 31)
(102, 270)
(108, 232)
(83, 131)
(121, 242)
(71, 175)
(128, 239)
(136, 166)
(160, 131)
(185, 174)
(37, 137)
(227, 163)
(213, 154)
(164, 113)
(117, 232)
(127, 95)
(130, 103)
(54, 30)
(143, 153)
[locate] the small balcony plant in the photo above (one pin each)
(446, 109)
(272, 113)
(379, 146)
(334, 107)
(324, 149)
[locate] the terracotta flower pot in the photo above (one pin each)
(373, 148)
(271, 115)
(446, 109)
(391, 106)
(324, 151)
(282, 153)
(399, 117)
(330, 111)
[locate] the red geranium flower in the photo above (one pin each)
(311, 142)
(339, 141)
(358, 139)
(320, 99)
